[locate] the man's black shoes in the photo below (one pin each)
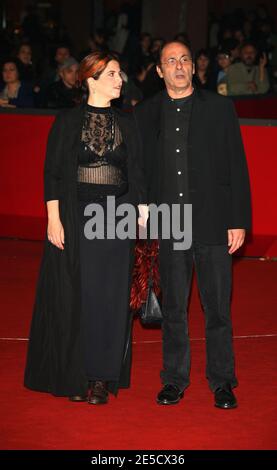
(98, 393)
(225, 398)
(169, 395)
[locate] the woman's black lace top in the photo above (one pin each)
(102, 158)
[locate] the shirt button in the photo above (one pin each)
(179, 172)
(178, 109)
(181, 194)
(177, 150)
(177, 129)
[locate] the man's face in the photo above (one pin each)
(69, 75)
(176, 67)
(248, 55)
(25, 54)
(62, 54)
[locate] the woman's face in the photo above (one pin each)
(108, 85)
(25, 54)
(10, 73)
(239, 36)
(202, 63)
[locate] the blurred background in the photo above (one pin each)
(38, 37)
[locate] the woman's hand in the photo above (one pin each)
(143, 215)
(55, 233)
(4, 102)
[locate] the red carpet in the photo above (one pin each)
(32, 420)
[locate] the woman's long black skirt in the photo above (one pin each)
(105, 286)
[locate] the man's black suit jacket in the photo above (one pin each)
(217, 169)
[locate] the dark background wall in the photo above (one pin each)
(159, 17)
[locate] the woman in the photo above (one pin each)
(27, 69)
(223, 62)
(203, 76)
(80, 336)
(14, 93)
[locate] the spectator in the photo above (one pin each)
(183, 37)
(151, 84)
(28, 73)
(156, 46)
(96, 42)
(214, 28)
(248, 30)
(225, 34)
(131, 93)
(233, 46)
(63, 94)
(119, 39)
(31, 24)
(251, 16)
(27, 70)
(144, 56)
(139, 76)
(239, 36)
(51, 74)
(6, 45)
(246, 78)
(264, 37)
(14, 93)
(262, 15)
(99, 40)
(203, 77)
(267, 42)
(224, 61)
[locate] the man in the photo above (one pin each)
(62, 94)
(51, 74)
(193, 153)
(246, 78)
(62, 53)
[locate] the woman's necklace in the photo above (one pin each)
(13, 91)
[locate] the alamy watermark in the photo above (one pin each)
(165, 221)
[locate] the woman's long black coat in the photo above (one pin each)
(54, 360)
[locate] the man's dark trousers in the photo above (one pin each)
(213, 266)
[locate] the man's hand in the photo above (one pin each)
(236, 238)
(263, 60)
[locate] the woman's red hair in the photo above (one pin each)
(93, 65)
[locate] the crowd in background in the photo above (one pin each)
(40, 68)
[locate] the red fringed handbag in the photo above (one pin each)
(145, 283)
